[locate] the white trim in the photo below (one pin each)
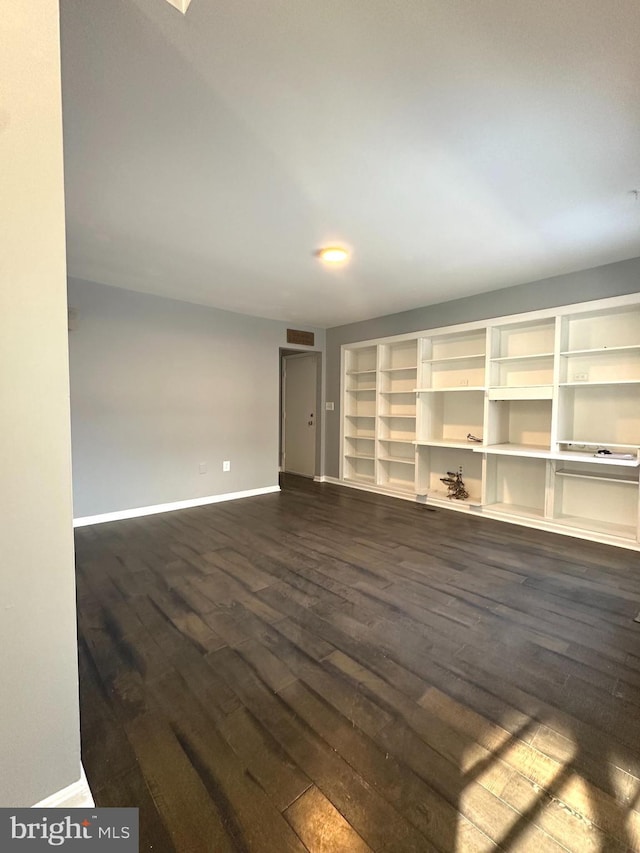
(170, 507)
(75, 796)
(321, 479)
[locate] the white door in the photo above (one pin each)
(299, 422)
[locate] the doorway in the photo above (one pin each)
(300, 412)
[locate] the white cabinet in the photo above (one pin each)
(540, 411)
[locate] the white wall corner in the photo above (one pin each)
(75, 796)
(180, 5)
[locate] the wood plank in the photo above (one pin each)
(367, 812)
(190, 815)
(265, 759)
(249, 817)
(321, 826)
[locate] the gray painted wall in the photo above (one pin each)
(159, 386)
(39, 720)
(598, 283)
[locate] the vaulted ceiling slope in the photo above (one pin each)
(455, 146)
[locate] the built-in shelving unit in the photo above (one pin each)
(398, 365)
(541, 411)
(361, 381)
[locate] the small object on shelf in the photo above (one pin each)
(603, 452)
(471, 437)
(455, 485)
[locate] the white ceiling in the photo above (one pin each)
(457, 146)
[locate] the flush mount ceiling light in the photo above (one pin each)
(181, 5)
(333, 255)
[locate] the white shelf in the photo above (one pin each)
(449, 359)
(386, 393)
(529, 450)
(578, 443)
(587, 384)
(521, 392)
(359, 456)
(544, 453)
(589, 456)
(505, 359)
(361, 372)
(623, 531)
(398, 369)
(601, 350)
(595, 460)
(387, 415)
(404, 460)
(459, 445)
(441, 496)
(360, 478)
(453, 388)
(596, 475)
(516, 509)
(401, 485)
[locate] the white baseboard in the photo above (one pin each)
(75, 796)
(138, 512)
(322, 479)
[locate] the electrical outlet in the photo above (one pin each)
(580, 377)
(226, 465)
(329, 407)
(202, 467)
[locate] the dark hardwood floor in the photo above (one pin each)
(330, 670)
